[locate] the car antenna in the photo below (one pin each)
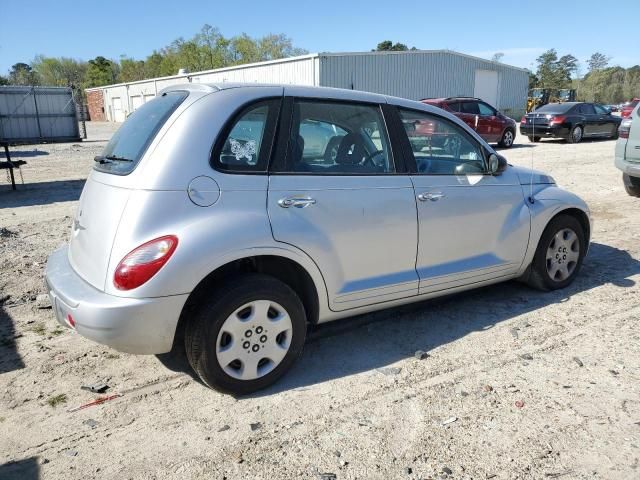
(533, 136)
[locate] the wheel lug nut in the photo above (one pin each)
(246, 345)
(248, 333)
(255, 348)
(259, 329)
(263, 338)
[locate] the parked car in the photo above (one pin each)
(487, 121)
(572, 121)
(209, 222)
(627, 108)
(627, 157)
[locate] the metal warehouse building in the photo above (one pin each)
(413, 74)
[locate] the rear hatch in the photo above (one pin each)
(105, 194)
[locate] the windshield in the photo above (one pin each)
(128, 144)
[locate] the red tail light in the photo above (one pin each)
(523, 120)
(142, 263)
(557, 119)
(624, 128)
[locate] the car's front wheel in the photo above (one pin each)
(507, 139)
(247, 335)
(559, 255)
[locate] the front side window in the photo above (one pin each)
(126, 147)
(337, 138)
(246, 145)
(470, 108)
(443, 148)
(486, 110)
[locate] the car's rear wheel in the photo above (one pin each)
(631, 185)
(507, 139)
(559, 255)
(576, 134)
(533, 139)
(247, 335)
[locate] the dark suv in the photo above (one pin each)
(491, 125)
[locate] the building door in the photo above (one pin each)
(136, 102)
(116, 107)
(486, 86)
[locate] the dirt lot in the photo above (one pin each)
(358, 404)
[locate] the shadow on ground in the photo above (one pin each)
(42, 193)
(9, 357)
(27, 469)
(23, 154)
(366, 342)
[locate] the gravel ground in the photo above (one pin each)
(517, 384)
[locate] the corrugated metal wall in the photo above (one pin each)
(417, 75)
(37, 114)
(413, 75)
(120, 100)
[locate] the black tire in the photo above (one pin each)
(507, 141)
(615, 134)
(631, 185)
(201, 332)
(533, 139)
(576, 134)
(539, 276)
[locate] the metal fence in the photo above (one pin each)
(38, 114)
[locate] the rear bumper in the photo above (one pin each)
(133, 325)
(630, 168)
(555, 131)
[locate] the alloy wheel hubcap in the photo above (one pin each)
(563, 253)
(508, 138)
(577, 134)
(254, 340)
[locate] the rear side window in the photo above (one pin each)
(587, 109)
(245, 145)
(129, 143)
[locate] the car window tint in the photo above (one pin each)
(243, 148)
(470, 107)
(454, 106)
(600, 110)
(486, 109)
(128, 144)
(338, 138)
(587, 109)
(440, 147)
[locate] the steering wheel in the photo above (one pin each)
(368, 160)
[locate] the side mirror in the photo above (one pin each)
(497, 164)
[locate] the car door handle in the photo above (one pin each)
(298, 202)
(433, 196)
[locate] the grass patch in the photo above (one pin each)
(57, 331)
(112, 356)
(40, 329)
(57, 400)
(2, 419)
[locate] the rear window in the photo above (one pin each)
(128, 144)
(555, 108)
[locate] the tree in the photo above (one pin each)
(497, 57)
(4, 80)
(101, 72)
(22, 74)
(554, 72)
(389, 46)
(597, 61)
(131, 70)
(59, 72)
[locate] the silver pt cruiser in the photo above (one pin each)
(229, 217)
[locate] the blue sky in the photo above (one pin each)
(134, 28)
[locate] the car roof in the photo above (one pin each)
(448, 99)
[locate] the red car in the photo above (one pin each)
(627, 109)
(491, 125)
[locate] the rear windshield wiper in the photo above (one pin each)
(110, 159)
